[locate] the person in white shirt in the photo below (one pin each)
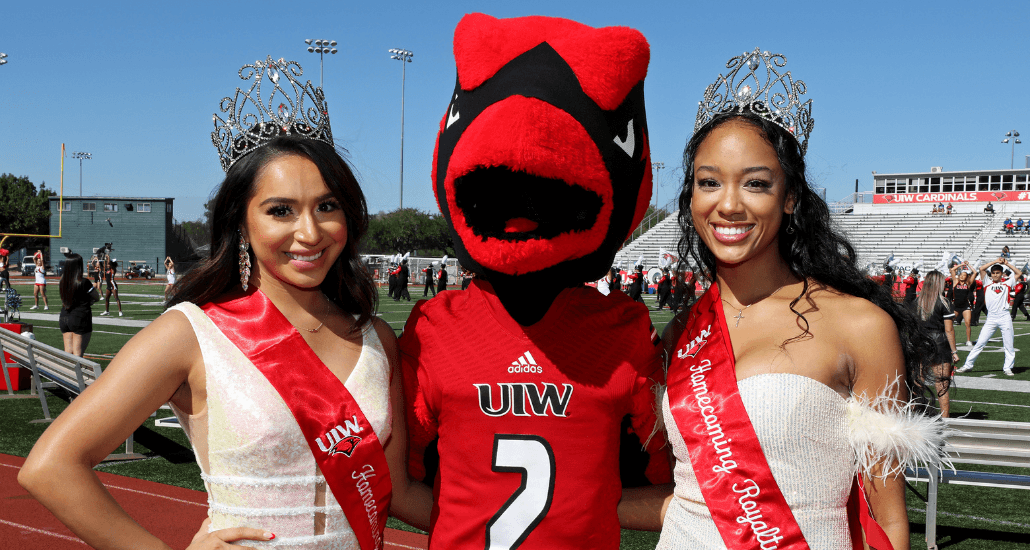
(170, 274)
(996, 298)
(39, 288)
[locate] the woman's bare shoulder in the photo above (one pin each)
(843, 308)
(171, 333)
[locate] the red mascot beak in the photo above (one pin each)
(542, 159)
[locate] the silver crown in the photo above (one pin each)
(278, 112)
(762, 91)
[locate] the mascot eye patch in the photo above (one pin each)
(509, 205)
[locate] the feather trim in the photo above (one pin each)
(893, 434)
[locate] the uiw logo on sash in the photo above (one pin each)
(695, 345)
(340, 439)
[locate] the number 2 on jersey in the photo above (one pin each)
(531, 456)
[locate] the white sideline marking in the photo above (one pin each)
(985, 403)
(133, 491)
(41, 531)
(978, 518)
(95, 331)
(157, 495)
(398, 545)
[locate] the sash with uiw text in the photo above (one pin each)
(739, 490)
(346, 449)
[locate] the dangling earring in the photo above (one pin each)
(791, 223)
(244, 263)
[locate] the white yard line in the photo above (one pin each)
(42, 531)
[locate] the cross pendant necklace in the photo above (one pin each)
(740, 313)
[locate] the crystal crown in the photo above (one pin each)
(254, 119)
(755, 84)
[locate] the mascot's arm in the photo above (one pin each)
(422, 424)
(650, 378)
(643, 508)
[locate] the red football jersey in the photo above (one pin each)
(528, 418)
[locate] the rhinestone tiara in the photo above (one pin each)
(755, 84)
(254, 119)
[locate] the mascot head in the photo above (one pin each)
(542, 164)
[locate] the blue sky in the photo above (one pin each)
(896, 86)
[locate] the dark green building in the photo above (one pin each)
(140, 229)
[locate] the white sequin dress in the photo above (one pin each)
(802, 426)
(257, 468)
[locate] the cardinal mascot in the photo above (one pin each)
(526, 382)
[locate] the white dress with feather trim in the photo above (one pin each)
(256, 465)
(814, 441)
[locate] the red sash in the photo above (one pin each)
(731, 469)
(345, 447)
(746, 504)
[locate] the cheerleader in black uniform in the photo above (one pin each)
(974, 282)
(961, 298)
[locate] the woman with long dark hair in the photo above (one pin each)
(960, 294)
(781, 373)
(77, 297)
(270, 355)
(937, 316)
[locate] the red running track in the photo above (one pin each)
(161, 509)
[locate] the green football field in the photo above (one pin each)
(968, 517)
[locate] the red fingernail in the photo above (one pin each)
(270, 535)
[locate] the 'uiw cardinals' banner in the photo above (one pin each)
(970, 196)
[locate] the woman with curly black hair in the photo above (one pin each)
(783, 374)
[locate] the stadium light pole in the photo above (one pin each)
(81, 156)
(657, 166)
(1014, 137)
(404, 56)
(321, 47)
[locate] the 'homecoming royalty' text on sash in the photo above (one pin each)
(746, 504)
(346, 449)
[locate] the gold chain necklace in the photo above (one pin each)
(320, 325)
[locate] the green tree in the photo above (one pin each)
(24, 209)
(198, 231)
(408, 230)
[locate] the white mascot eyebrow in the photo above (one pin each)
(452, 115)
(629, 144)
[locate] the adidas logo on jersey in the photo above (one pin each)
(525, 363)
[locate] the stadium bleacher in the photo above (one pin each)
(909, 236)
